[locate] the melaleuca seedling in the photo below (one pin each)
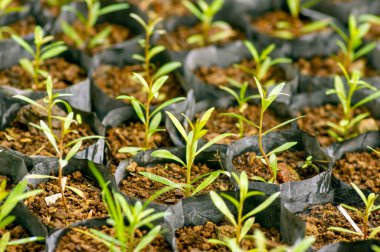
(6, 8)
(205, 13)
(8, 201)
(369, 210)
(263, 62)
(43, 51)
(347, 126)
(192, 151)
(94, 11)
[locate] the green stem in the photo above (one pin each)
(188, 170)
(36, 66)
(239, 220)
(60, 168)
(261, 143)
(150, 84)
(365, 224)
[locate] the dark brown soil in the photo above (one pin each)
(163, 8)
(289, 165)
(118, 34)
(63, 73)
(321, 217)
(55, 215)
(315, 122)
(75, 241)
(360, 168)
(140, 187)
(194, 238)
(116, 81)
(218, 76)
(374, 32)
(22, 27)
(177, 40)
(18, 232)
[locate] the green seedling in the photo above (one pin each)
(6, 8)
(310, 164)
(42, 52)
(263, 62)
(205, 13)
(192, 151)
(8, 201)
(370, 208)
(346, 128)
(94, 11)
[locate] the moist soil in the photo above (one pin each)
(320, 218)
(76, 241)
(118, 35)
(194, 238)
(374, 32)
(18, 232)
(140, 187)
(268, 22)
(55, 215)
(116, 81)
(22, 27)
(360, 168)
(289, 165)
(63, 73)
(177, 40)
(162, 8)
(219, 124)
(315, 122)
(218, 76)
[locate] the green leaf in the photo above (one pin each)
(282, 148)
(4, 241)
(162, 180)
(40, 176)
(132, 150)
(141, 80)
(167, 103)
(247, 226)
(374, 232)
(72, 34)
(74, 150)
(138, 110)
(113, 8)
(314, 26)
(167, 155)
(240, 118)
(262, 206)
(178, 125)
(360, 193)
(77, 191)
(193, 9)
(205, 183)
(100, 38)
(365, 50)
(147, 239)
(367, 99)
(166, 69)
(155, 122)
(155, 50)
(303, 245)
(158, 84)
(49, 135)
(30, 101)
(219, 203)
(53, 52)
(27, 65)
(139, 20)
(281, 125)
(213, 141)
(343, 230)
(24, 44)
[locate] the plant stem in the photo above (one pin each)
(60, 168)
(150, 84)
(239, 220)
(36, 67)
(261, 143)
(365, 224)
(188, 169)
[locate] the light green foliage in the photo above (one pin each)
(94, 12)
(192, 151)
(58, 3)
(41, 53)
(205, 14)
(6, 8)
(375, 248)
(310, 164)
(8, 201)
(370, 208)
(346, 128)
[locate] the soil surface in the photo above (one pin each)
(320, 218)
(289, 165)
(63, 73)
(140, 187)
(162, 8)
(315, 122)
(194, 238)
(118, 34)
(18, 232)
(115, 81)
(177, 40)
(22, 27)
(218, 76)
(374, 32)
(360, 168)
(75, 241)
(55, 215)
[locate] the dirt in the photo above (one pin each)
(22, 27)
(115, 81)
(53, 10)
(320, 218)
(140, 187)
(374, 32)
(118, 35)
(218, 76)
(315, 122)
(75, 241)
(360, 168)
(162, 8)
(55, 215)
(194, 238)
(63, 73)
(18, 232)
(177, 40)
(289, 165)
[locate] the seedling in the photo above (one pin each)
(192, 151)
(8, 201)
(351, 45)
(310, 164)
(41, 53)
(205, 13)
(263, 62)
(94, 11)
(346, 128)
(370, 208)
(6, 8)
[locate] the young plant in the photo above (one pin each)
(351, 45)
(242, 222)
(8, 201)
(370, 208)
(7, 8)
(310, 164)
(192, 151)
(346, 128)
(263, 62)
(94, 11)
(41, 53)
(205, 13)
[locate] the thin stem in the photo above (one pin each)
(239, 220)
(60, 168)
(188, 169)
(36, 66)
(49, 112)
(150, 83)
(205, 32)
(365, 223)
(261, 143)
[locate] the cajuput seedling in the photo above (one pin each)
(7, 8)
